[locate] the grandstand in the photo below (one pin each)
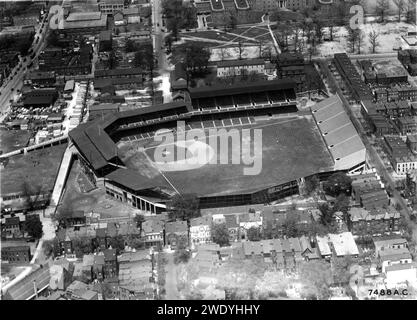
(294, 147)
(260, 93)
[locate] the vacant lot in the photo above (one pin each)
(11, 140)
(37, 168)
(95, 200)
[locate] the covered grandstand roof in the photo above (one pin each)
(341, 137)
(135, 181)
(240, 88)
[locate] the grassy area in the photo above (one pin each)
(11, 140)
(37, 168)
(75, 199)
(291, 149)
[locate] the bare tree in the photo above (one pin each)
(240, 47)
(400, 4)
(260, 43)
(222, 53)
(31, 194)
(382, 6)
(373, 40)
(410, 11)
(359, 39)
(352, 39)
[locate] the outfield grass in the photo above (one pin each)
(291, 148)
(37, 168)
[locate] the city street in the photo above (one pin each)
(171, 279)
(16, 83)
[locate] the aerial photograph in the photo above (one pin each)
(235, 151)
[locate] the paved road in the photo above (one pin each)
(372, 153)
(17, 81)
(171, 291)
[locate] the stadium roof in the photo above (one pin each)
(135, 181)
(341, 137)
(241, 88)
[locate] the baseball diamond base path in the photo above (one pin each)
(291, 148)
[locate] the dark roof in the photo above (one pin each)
(176, 226)
(235, 63)
(134, 180)
(240, 88)
(101, 232)
(16, 248)
(104, 106)
(110, 254)
(231, 221)
(117, 72)
(12, 221)
(39, 100)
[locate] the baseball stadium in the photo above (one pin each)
(119, 150)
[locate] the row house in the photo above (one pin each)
(153, 232)
(111, 6)
(18, 254)
(200, 230)
(231, 68)
(175, 232)
(390, 257)
(12, 228)
(374, 222)
(389, 242)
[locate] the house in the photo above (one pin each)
(390, 257)
(153, 232)
(98, 267)
(401, 274)
(200, 230)
(132, 14)
(174, 231)
(11, 228)
(111, 6)
(78, 290)
(179, 77)
(40, 79)
(60, 272)
(110, 263)
(247, 221)
(101, 237)
(16, 254)
(307, 250)
(64, 241)
(231, 68)
(344, 244)
(105, 41)
(232, 227)
(374, 221)
(323, 246)
(385, 243)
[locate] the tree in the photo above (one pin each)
(316, 277)
(82, 246)
(184, 207)
(400, 4)
(118, 243)
(352, 39)
(327, 217)
(254, 234)
(50, 247)
(181, 256)
(179, 15)
(220, 234)
(382, 7)
(196, 57)
(342, 204)
(290, 225)
(131, 46)
(373, 40)
(410, 11)
(240, 48)
(144, 57)
(33, 226)
(31, 195)
(360, 38)
(139, 219)
(311, 184)
(338, 183)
